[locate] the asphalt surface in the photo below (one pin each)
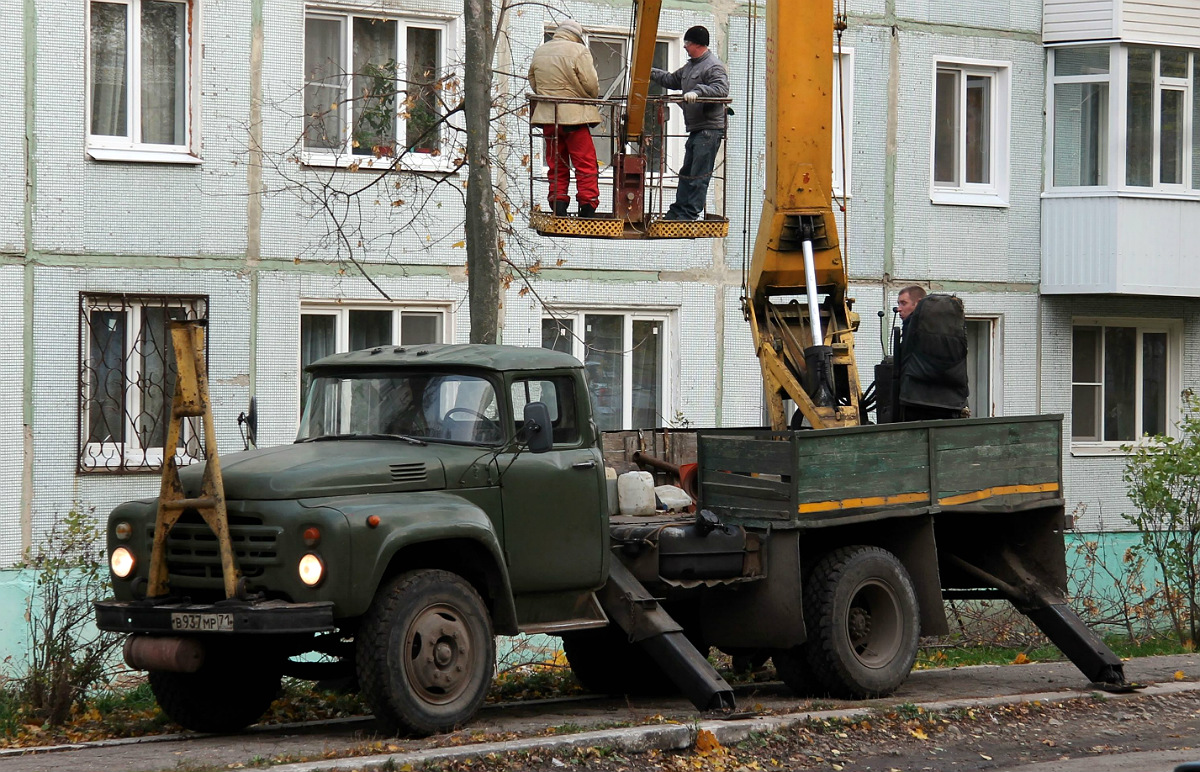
(671, 723)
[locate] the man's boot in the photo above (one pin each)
(587, 210)
(560, 208)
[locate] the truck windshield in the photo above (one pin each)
(415, 406)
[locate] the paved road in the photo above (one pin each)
(583, 720)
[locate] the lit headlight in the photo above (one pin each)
(121, 562)
(312, 570)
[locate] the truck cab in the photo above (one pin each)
(470, 472)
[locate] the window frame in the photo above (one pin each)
(129, 456)
(995, 193)
(842, 184)
(1113, 160)
(666, 317)
(1118, 114)
(1173, 328)
(344, 157)
(994, 397)
(341, 329)
(104, 147)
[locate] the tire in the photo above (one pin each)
(863, 623)
(606, 662)
(227, 694)
(425, 653)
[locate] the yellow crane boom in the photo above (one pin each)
(805, 350)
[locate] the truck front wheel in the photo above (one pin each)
(863, 624)
(425, 653)
(229, 692)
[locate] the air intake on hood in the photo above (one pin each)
(408, 472)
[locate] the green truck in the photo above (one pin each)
(438, 496)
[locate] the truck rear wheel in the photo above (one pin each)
(863, 624)
(228, 693)
(425, 653)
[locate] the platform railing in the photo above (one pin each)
(663, 151)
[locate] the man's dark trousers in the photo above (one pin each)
(699, 157)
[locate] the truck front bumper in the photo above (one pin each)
(274, 617)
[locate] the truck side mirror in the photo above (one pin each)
(249, 419)
(539, 434)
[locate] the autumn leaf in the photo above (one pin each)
(1179, 675)
(706, 742)
(524, 291)
(1021, 659)
(919, 734)
(458, 245)
(985, 757)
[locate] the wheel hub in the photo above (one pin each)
(874, 624)
(438, 648)
(860, 624)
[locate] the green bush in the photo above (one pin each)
(67, 658)
(1163, 482)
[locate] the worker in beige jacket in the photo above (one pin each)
(563, 67)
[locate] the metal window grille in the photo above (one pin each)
(127, 381)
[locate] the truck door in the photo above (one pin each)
(555, 526)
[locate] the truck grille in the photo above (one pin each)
(408, 473)
(192, 551)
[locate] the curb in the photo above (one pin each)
(682, 736)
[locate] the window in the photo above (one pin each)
(1081, 88)
(558, 392)
(139, 80)
(419, 404)
(1149, 95)
(374, 88)
(625, 356)
(332, 329)
(979, 367)
(1123, 374)
(127, 381)
(1159, 152)
(970, 134)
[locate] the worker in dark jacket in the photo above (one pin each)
(562, 67)
(704, 75)
(933, 357)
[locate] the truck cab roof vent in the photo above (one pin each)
(408, 472)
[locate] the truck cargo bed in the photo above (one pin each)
(813, 479)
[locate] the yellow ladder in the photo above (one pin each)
(190, 401)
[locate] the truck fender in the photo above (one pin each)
(432, 529)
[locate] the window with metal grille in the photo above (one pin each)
(127, 381)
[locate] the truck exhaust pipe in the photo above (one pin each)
(151, 652)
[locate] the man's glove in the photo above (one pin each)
(690, 97)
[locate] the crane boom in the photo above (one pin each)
(797, 252)
(806, 351)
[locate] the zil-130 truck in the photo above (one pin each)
(438, 496)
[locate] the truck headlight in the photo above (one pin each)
(312, 570)
(121, 562)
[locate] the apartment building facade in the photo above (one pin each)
(175, 158)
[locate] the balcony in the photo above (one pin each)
(1167, 22)
(1120, 244)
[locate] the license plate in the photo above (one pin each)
(208, 623)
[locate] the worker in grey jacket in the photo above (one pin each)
(704, 75)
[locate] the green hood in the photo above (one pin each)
(336, 468)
